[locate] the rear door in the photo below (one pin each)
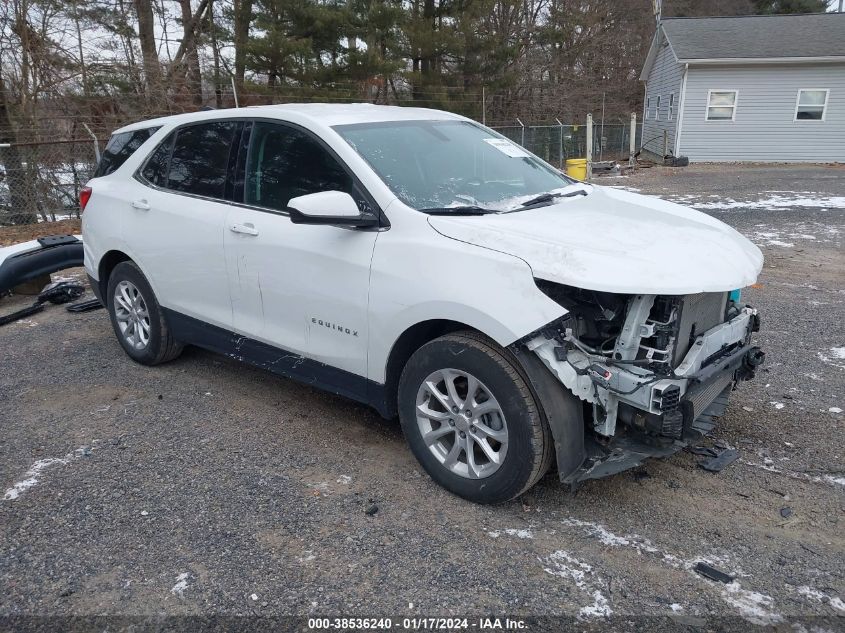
(303, 288)
(177, 217)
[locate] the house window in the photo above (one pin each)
(721, 105)
(671, 107)
(657, 109)
(811, 104)
(647, 108)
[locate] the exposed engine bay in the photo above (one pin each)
(652, 363)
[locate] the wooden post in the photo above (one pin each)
(632, 145)
(589, 146)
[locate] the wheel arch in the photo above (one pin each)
(405, 345)
(107, 264)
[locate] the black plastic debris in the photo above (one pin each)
(56, 293)
(723, 459)
(706, 451)
(85, 306)
(20, 314)
(61, 292)
(786, 512)
(712, 573)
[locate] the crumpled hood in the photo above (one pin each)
(617, 241)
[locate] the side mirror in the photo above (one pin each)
(328, 207)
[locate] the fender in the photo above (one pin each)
(562, 410)
(30, 260)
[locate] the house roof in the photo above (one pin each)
(752, 39)
(757, 36)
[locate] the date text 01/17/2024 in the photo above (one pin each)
(417, 624)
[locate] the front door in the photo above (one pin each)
(301, 288)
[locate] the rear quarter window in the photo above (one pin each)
(120, 147)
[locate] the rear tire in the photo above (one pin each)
(136, 317)
(487, 446)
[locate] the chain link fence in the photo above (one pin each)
(557, 143)
(40, 181)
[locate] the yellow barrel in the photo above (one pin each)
(577, 168)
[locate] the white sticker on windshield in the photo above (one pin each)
(506, 147)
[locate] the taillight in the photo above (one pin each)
(84, 197)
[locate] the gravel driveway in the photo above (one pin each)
(207, 487)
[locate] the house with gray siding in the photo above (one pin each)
(748, 88)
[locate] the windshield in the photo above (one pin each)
(452, 165)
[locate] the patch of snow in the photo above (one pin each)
(523, 533)
(344, 479)
(609, 538)
(181, 584)
(519, 533)
(835, 357)
(562, 564)
(755, 607)
(778, 405)
(32, 475)
(835, 410)
(676, 608)
(775, 200)
(767, 465)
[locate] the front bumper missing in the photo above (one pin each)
(661, 414)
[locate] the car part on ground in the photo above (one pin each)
(720, 461)
(21, 262)
(85, 306)
(56, 293)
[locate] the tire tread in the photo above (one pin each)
(541, 437)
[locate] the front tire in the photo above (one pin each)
(471, 420)
(137, 319)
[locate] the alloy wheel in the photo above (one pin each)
(133, 317)
(462, 423)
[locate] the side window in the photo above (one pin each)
(284, 163)
(155, 169)
(200, 158)
(119, 148)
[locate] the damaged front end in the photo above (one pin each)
(653, 371)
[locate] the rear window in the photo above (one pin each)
(120, 147)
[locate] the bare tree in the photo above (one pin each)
(243, 18)
(149, 52)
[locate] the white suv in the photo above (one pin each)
(421, 263)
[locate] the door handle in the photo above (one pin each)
(143, 205)
(245, 229)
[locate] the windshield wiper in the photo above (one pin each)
(548, 198)
(467, 209)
